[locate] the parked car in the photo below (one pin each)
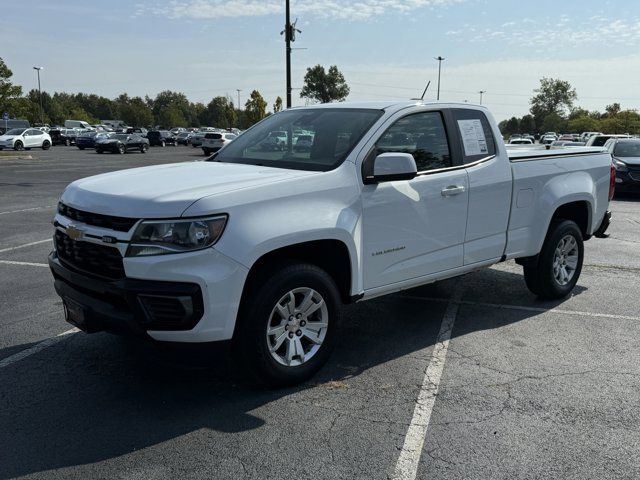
(68, 136)
(548, 139)
(600, 140)
(77, 124)
(121, 143)
(262, 248)
(212, 142)
(88, 139)
(563, 143)
(25, 138)
(587, 135)
(520, 141)
(56, 137)
(161, 138)
(275, 141)
(626, 160)
(182, 138)
(196, 139)
(303, 143)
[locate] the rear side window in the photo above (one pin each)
(475, 134)
(422, 135)
(213, 136)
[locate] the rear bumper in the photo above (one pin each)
(127, 306)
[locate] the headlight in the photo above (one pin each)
(161, 237)
(620, 166)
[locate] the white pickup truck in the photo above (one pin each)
(260, 248)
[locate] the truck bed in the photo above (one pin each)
(525, 154)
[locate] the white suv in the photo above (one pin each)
(21, 138)
(212, 142)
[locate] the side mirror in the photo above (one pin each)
(389, 167)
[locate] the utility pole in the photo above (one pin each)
(238, 90)
(481, 92)
(440, 59)
(289, 37)
(40, 93)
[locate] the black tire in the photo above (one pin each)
(163, 143)
(46, 145)
(18, 146)
(122, 149)
(81, 148)
(540, 277)
(206, 151)
(99, 150)
(67, 142)
(143, 148)
(250, 340)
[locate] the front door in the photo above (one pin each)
(416, 227)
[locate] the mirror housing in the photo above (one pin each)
(390, 167)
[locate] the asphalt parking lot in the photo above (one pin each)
(497, 383)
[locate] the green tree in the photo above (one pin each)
(133, 111)
(9, 93)
(220, 112)
(527, 124)
(584, 123)
(255, 108)
(553, 97)
(554, 123)
(277, 106)
(324, 87)
(613, 109)
(171, 107)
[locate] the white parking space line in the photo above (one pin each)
(36, 348)
(409, 459)
(10, 249)
(526, 309)
(27, 210)
(26, 264)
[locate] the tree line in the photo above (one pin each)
(553, 109)
(167, 109)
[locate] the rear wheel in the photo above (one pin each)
(46, 145)
(559, 264)
(18, 145)
(163, 143)
(288, 325)
(206, 151)
(143, 148)
(121, 149)
(67, 142)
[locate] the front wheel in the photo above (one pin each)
(18, 146)
(163, 143)
(559, 264)
(121, 149)
(67, 142)
(288, 325)
(46, 145)
(144, 148)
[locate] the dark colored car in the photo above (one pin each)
(88, 139)
(68, 136)
(161, 138)
(56, 136)
(626, 160)
(136, 131)
(182, 138)
(121, 143)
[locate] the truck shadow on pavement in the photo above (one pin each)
(94, 398)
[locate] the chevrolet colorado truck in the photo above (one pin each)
(260, 249)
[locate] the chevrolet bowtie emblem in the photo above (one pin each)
(74, 233)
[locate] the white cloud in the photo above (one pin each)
(359, 10)
(563, 33)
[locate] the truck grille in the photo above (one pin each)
(89, 257)
(120, 224)
(634, 173)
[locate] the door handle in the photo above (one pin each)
(452, 190)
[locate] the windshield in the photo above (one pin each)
(335, 131)
(627, 149)
(15, 131)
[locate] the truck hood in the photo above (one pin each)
(635, 161)
(165, 191)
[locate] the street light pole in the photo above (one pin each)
(440, 59)
(238, 90)
(40, 93)
(287, 38)
(481, 92)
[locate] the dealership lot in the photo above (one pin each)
(524, 388)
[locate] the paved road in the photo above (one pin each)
(525, 388)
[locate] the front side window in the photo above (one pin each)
(271, 142)
(422, 135)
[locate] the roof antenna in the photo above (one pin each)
(423, 93)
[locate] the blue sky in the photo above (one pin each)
(385, 48)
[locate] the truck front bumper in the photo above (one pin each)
(191, 297)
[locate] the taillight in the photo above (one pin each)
(612, 182)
